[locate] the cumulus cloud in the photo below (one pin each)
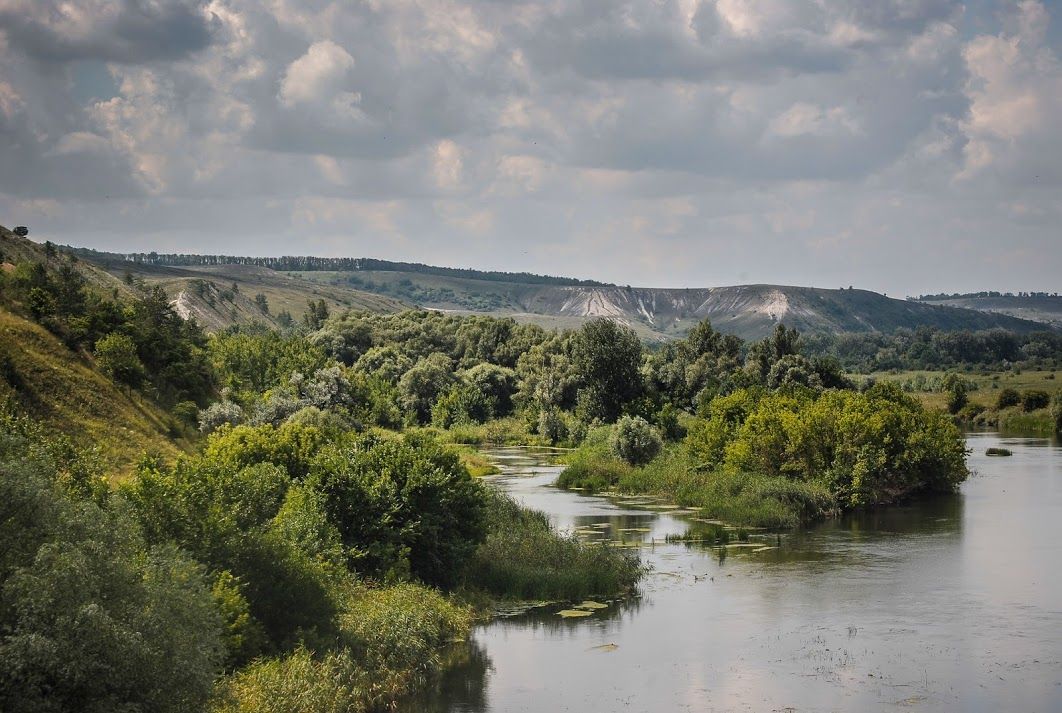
(1015, 94)
(671, 142)
(317, 76)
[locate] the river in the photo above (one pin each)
(949, 603)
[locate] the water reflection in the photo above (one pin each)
(950, 603)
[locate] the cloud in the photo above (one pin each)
(318, 76)
(1015, 94)
(672, 142)
(127, 31)
(810, 119)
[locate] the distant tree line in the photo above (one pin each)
(966, 295)
(931, 348)
(308, 263)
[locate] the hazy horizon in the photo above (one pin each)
(902, 147)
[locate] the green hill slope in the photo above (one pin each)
(63, 390)
(218, 296)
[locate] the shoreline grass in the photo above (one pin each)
(525, 558)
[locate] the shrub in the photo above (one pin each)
(957, 391)
(1033, 400)
(1056, 411)
(1008, 397)
(401, 504)
(92, 618)
(634, 440)
(218, 414)
(390, 641)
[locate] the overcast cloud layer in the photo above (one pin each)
(906, 146)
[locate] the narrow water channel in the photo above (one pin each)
(952, 603)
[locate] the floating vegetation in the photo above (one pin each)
(998, 452)
(635, 529)
(573, 613)
(511, 609)
(588, 604)
(605, 648)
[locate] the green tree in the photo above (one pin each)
(402, 504)
(956, 390)
(91, 618)
(634, 440)
(116, 356)
(607, 357)
(495, 384)
(423, 384)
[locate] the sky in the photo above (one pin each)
(904, 146)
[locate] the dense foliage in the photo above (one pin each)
(781, 458)
(138, 339)
(93, 617)
(928, 348)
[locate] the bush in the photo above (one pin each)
(218, 414)
(1033, 400)
(401, 505)
(390, 641)
(956, 390)
(634, 440)
(1008, 397)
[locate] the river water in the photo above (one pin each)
(951, 603)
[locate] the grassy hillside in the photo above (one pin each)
(750, 311)
(1041, 308)
(63, 390)
(220, 291)
(206, 292)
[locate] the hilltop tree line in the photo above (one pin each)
(308, 263)
(968, 295)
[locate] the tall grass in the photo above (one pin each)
(739, 498)
(511, 430)
(524, 557)
(391, 640)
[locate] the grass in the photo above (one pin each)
(61, 389)
(1014, 421)
(524, 557)
(982, 410)
(392, 641)
(988, 384)
(477, 464)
